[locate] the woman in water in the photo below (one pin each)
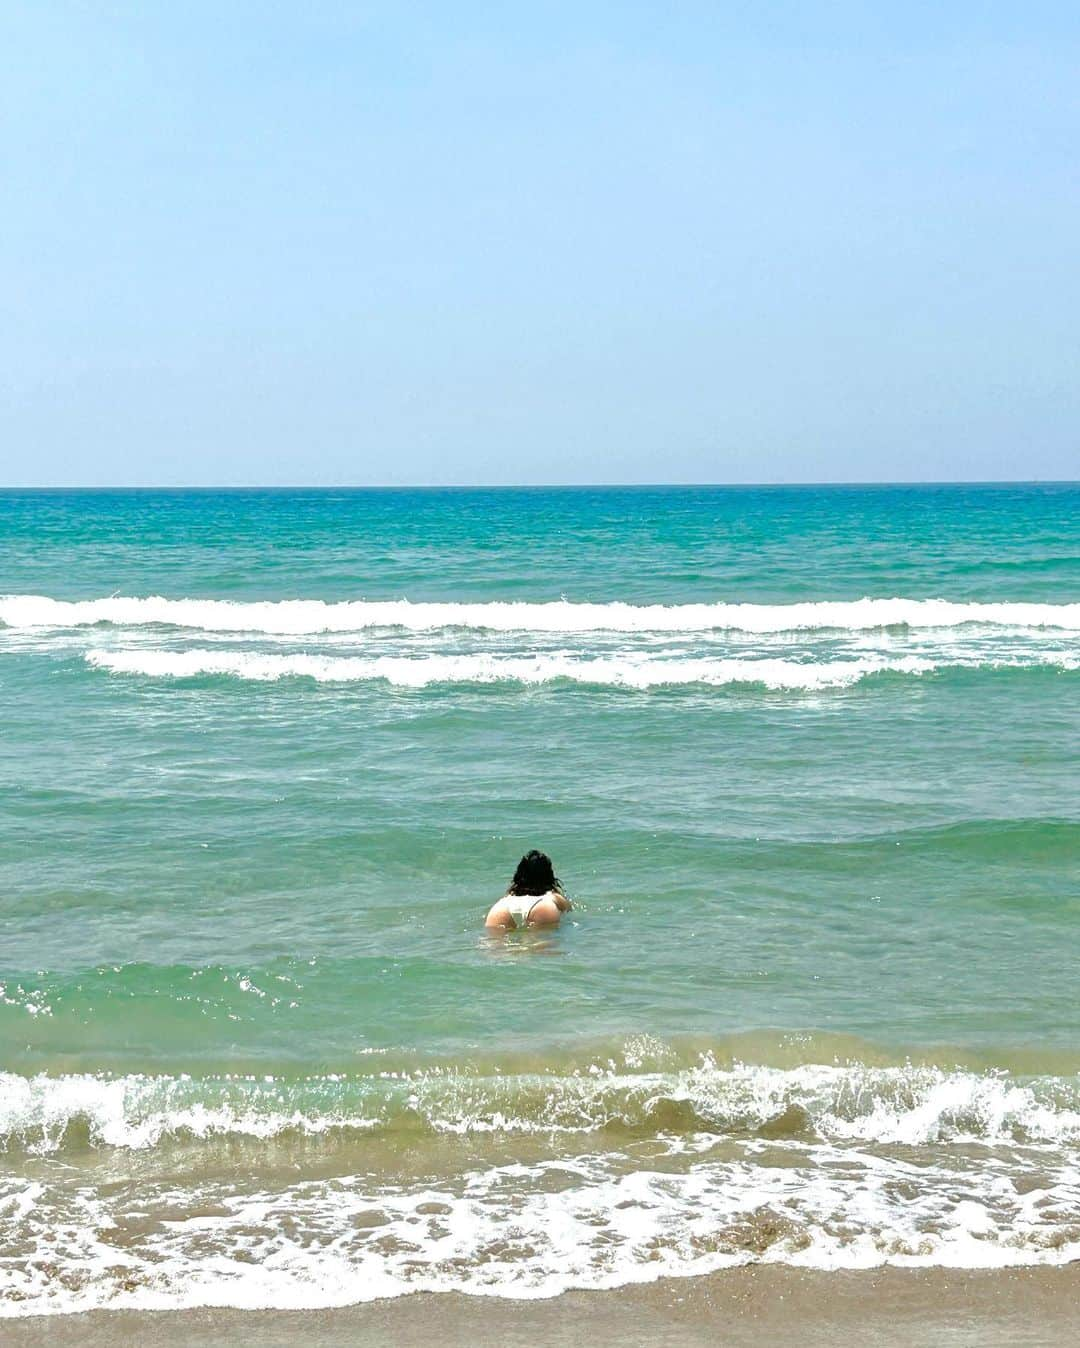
(535, 897)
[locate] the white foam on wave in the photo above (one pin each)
(310, 616)
(623, 671)
(890, 1105)
(523, 1231)
(421, 671)
(882, 1175)
(139, 1112)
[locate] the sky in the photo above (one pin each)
(347, 243)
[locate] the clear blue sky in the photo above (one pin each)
(316, 242)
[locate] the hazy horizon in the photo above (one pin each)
(533, 486)
(105, 487)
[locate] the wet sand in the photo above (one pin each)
(744, 1308)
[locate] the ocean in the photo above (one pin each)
(806, 760)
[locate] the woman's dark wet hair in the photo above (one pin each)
(535, 875)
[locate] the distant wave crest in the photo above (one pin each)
(300, 617)
(481, 668)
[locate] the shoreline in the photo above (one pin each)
(751, 1307)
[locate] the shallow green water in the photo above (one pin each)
(254, 836)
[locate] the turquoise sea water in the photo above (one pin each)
(806, 760)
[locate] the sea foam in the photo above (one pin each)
(309, 616)
(627, 671)
(479, 668)
(850, 1103)
(844, 1189)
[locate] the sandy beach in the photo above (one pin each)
(886, 1308)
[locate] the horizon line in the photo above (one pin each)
(536, 486)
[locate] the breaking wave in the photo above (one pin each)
(422, 671)
(625, 671)
(839, 1103)
(310, 616)
(818, 1166)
